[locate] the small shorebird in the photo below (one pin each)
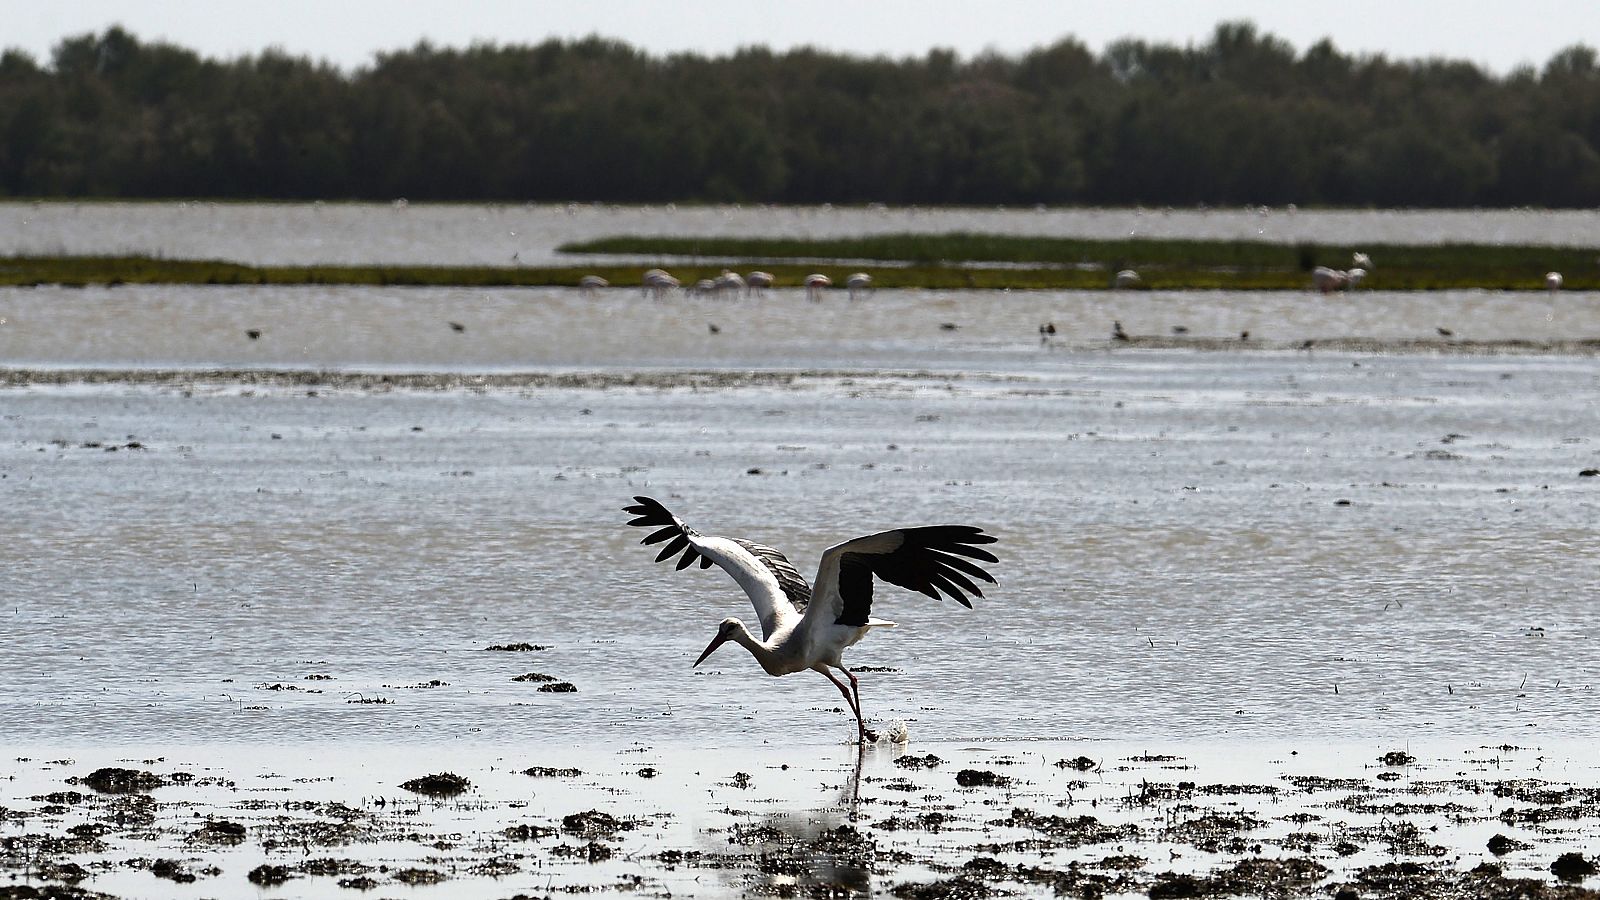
(805, 626)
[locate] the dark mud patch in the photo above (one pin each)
(443, 784)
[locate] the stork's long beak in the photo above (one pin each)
(716, 642)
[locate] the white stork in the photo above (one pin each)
(805, 627)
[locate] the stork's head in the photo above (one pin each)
(725, 632)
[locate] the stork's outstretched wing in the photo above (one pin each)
(778, 592)
(933, 559)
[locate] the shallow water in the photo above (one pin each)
(349, 233)
(479, 330)
(1178, 558)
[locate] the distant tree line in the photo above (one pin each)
(1242, 119)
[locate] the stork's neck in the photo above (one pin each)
(765, 654)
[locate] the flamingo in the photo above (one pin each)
(657, 282)
(758, 281)
(1125, 279)
(809, 627)
(1361, 260)
(1354, 276)
(591, 283)
(1552, 281)
(815, 282)
(858, 281)
(728, 281)
(1329, 280)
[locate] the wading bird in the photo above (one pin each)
(1552, 281)
(808, 627)
(657, 282)
(757, 281)
(1329, 280)
(858, 282)
(816, 282)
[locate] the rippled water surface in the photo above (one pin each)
(1193, 544)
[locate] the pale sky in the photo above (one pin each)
(1496, 35)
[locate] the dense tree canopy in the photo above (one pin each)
(1241, 119)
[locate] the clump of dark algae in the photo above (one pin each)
(444, 784)
(559, 687)
(550, 772)
(910, 761)
(519, 647)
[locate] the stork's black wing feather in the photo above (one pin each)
(933, 560)
(649, 513)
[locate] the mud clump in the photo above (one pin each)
(218, 832)
(526, 832)
(521, 647)
(981, 778)
(534, 676)
(560, 687)
(1397, 758)
(1500, 845)
(444, 784)
(113, 780)
(593, 823)
(419, 876)
(1081, 764)
(268, 876)
(173, 870)
(918, 762)
(1572, 867)
(594, 851)
(548, 772)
